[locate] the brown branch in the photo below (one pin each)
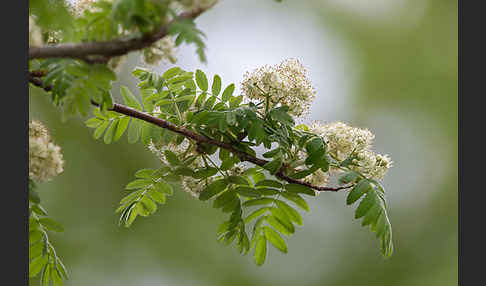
(243, 156)
(103, 51)
(35, 80)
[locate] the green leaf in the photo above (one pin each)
(201, 99)
(129, 98)
(93, 122)
(264, 191)
(100, 129)
(359, 190)
(298, 200)
(38, 209)
(237, 180)
(163, 187)
(45, 275)
(280, 114)
(273, 166)
(302, 174)
(283, 218)
(34, 196)
(56, 277)
(293, 214)
(213, 189)
(366, 204)
(110, 132)
(131, 215)
(36, 265)
(148, 204)
(314, 145)
(62, 268)
(216, 88)
(171, 72)
(145, 173)
(139, 183)
(258, 176)
(121, 127)
(348, 177)
(372, 215)
(272, 153)
(275, 239)
(205, 173)
(228, 92)
(300, 189)
(224, 199)
(247, 191)
(230, 118)
(231, 205)
(183, 171)
(278, 225)
(269, 183)
(51, 224)
(172, 158)
(34, 235)
(256, 202)
(201, 80)
(381, 224)
(146, 132)
(260, 250)
(235, 101)
(228, 163)
(256, 214)
(134, 131)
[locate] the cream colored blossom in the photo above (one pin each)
(372, 165)
(195, 186)
(45, 157)
(35, 35)
(163, 50)
(318, 178)
(237, 170)
(344, 140)
(285, 83)
(182, 150)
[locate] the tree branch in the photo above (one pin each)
(243, 156)
(103, 51)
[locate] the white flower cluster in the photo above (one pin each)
(181, 150)
(163, 50)
(35, 36)
(285, 84)
(45, 157)
(344, 140)
(237, 170)
(195, 186)
(318, 178)
(373, 165)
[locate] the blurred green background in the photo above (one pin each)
(390, 66)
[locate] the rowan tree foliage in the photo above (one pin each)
(243, 152)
